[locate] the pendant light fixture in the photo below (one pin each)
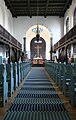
(37, 30)
(37, 34)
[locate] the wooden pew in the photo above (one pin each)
(0, 59)
(49, 68)
(10, 79)
(15, 75)
(57, 73)
(67, 73)
(25, 68)
(18, 72)
(61, 75)
(65, 78)
(3, 85)
(72, 87)
(21, 71)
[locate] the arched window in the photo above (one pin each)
(75, 16)
(67, 25)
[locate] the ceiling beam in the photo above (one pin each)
(58, 1)
(29, 7)
(15, 3)
(38, 7)
(12, 10)
(67, 4)
(46, 8)
(57, 4)
(34, 14)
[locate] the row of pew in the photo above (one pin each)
(65, 77)
(11, 75)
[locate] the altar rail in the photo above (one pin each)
(7, 38)
(65, 77)
(66, 39)
(11, 75)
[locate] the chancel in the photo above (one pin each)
(37, 59)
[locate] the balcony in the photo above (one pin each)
(66, 39)
(7, 38)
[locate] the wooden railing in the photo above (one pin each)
(7, 38)
(69, 37)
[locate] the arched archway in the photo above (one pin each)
(38, 49)
(45, 34)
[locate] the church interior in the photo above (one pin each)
(37, 59)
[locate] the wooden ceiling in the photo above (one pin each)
(38, 7)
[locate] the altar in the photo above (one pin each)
(38, 60)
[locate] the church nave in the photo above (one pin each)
(37, 59)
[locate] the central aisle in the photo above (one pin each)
(37, 100)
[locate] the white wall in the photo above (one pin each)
(69, 13)
(6, 19)
(22, 24)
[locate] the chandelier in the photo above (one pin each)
(37, 33)
(37, 29)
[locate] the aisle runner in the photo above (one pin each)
(37, 100)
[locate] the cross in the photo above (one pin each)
(37, 50)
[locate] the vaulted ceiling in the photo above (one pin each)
(38, 7)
